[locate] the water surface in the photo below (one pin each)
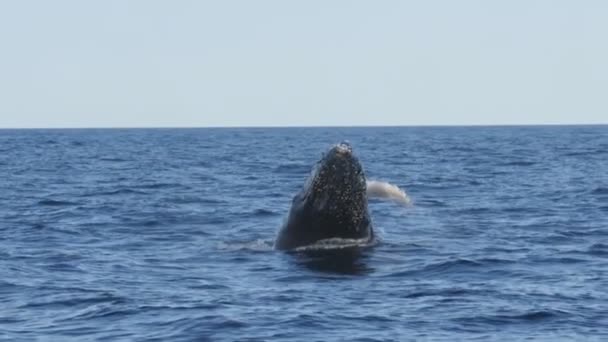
(166, 234)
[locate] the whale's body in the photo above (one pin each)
(331, 206)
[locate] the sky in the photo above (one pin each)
(127, 63)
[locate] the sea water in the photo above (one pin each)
(166, 235)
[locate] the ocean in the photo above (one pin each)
(167, 234)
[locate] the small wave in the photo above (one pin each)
(150, 223)
(196, 200)
(111, 159)
(65, 256)
(584, 153)
(526, 317)
(212, 201)
(125, 191)
(101, 311)
(209, 287)
(598, 232)
(386, 190)
(51, 202)
(451, 292)
(10, 320)
(98, 310)
(74, 301)
(195, 306)
(432, 203)
(159, 186)
(518, 163)
(65, 267)
(559, 260)
(223, 322)
(292, 278)
(600, 191)
(452, 265)
(598, 249)
(190, 327)
(264, 212)
(6, 287)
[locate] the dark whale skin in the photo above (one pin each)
(332, 203)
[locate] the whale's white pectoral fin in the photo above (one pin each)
(377, 189)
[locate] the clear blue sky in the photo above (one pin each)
(273, 63)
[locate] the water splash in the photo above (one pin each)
(380, 189)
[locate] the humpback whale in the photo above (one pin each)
(331, 206)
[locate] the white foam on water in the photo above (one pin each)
(336, 243)
(378, 189)
(258, 245)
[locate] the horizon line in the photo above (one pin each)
(304, 126)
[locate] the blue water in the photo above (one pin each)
(166, 235)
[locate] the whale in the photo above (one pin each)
(332, 205)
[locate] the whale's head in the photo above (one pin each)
(337, 184)
(332, 205)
